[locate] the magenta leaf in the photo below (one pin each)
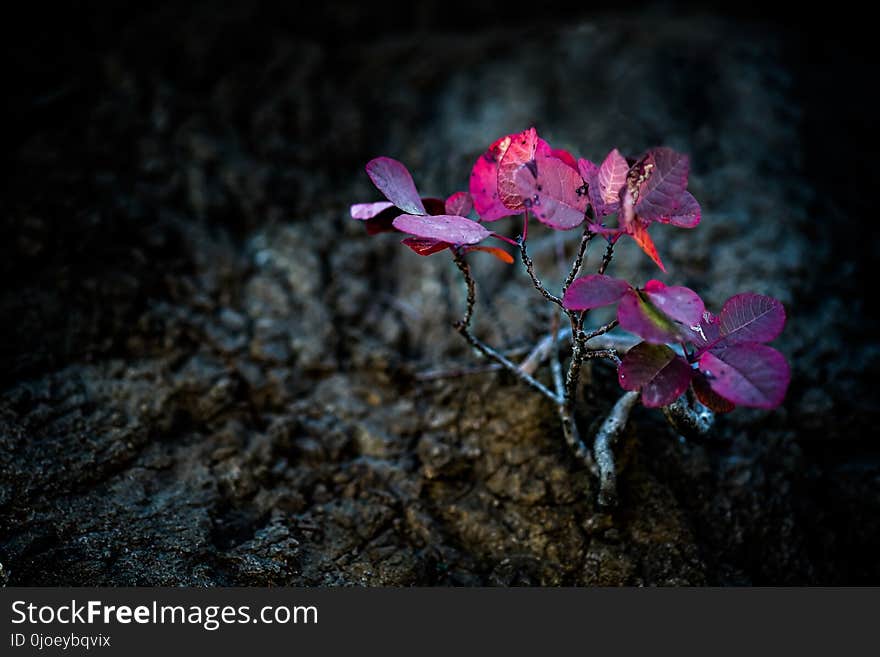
(444, 227)
(519, 154)
(661, 314)
(424, 247)
(607, 183)
(364, 211)
(594, 291)
(395, 182)
(586, 168)
(680, 303)
(564, 156)
(484, 182)
(553, 191)
(656, 371)
(749, 374)
(459, 203)
(750, 317)
(665, 175)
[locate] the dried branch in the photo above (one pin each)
(604, 444)
(689, 417)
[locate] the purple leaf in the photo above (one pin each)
(708, 397)
(660, 314)
(484, 182)
(656, 371)
(395, 182)
(660, 194)
(749, 374)
(706, 333)
(364, 211)
(459, 203)
(553, 191)
(443, 227)
(594, 291)
(586, 168)
(750, 317)
(687, 215)
(434, 205)
(520, 153)
(606, 185)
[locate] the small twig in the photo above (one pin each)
(689, 417)
(541, 350)
(463, 327)
(620, 343)
(579, 258)
(471, 287)
(601, 330)
(530, 268)
(606, 259)
(456, 373)
(610, 354)
(604, 444)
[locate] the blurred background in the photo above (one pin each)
(210, 375)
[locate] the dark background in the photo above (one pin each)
(209, 374)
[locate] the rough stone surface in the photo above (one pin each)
(208, 372)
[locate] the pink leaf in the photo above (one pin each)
(444, 227)
(708, 397)
(594, 291)
(747, 374)
(484, 182)
(553, 191)
(519, 154)
(750, 317)
(424, 247)
(459, 203)
(395, 182)
(364, 211)
(660, 194)
(680, 303)
(607, 184)
(660, 314)
(656, 371)
(564, 156)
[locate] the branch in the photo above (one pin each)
(530, 268)
(606, 259)
(463, 327)
(603, 444)
(565, 408)
(579, 259)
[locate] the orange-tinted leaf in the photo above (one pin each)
(501, 254)
(639, 232)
